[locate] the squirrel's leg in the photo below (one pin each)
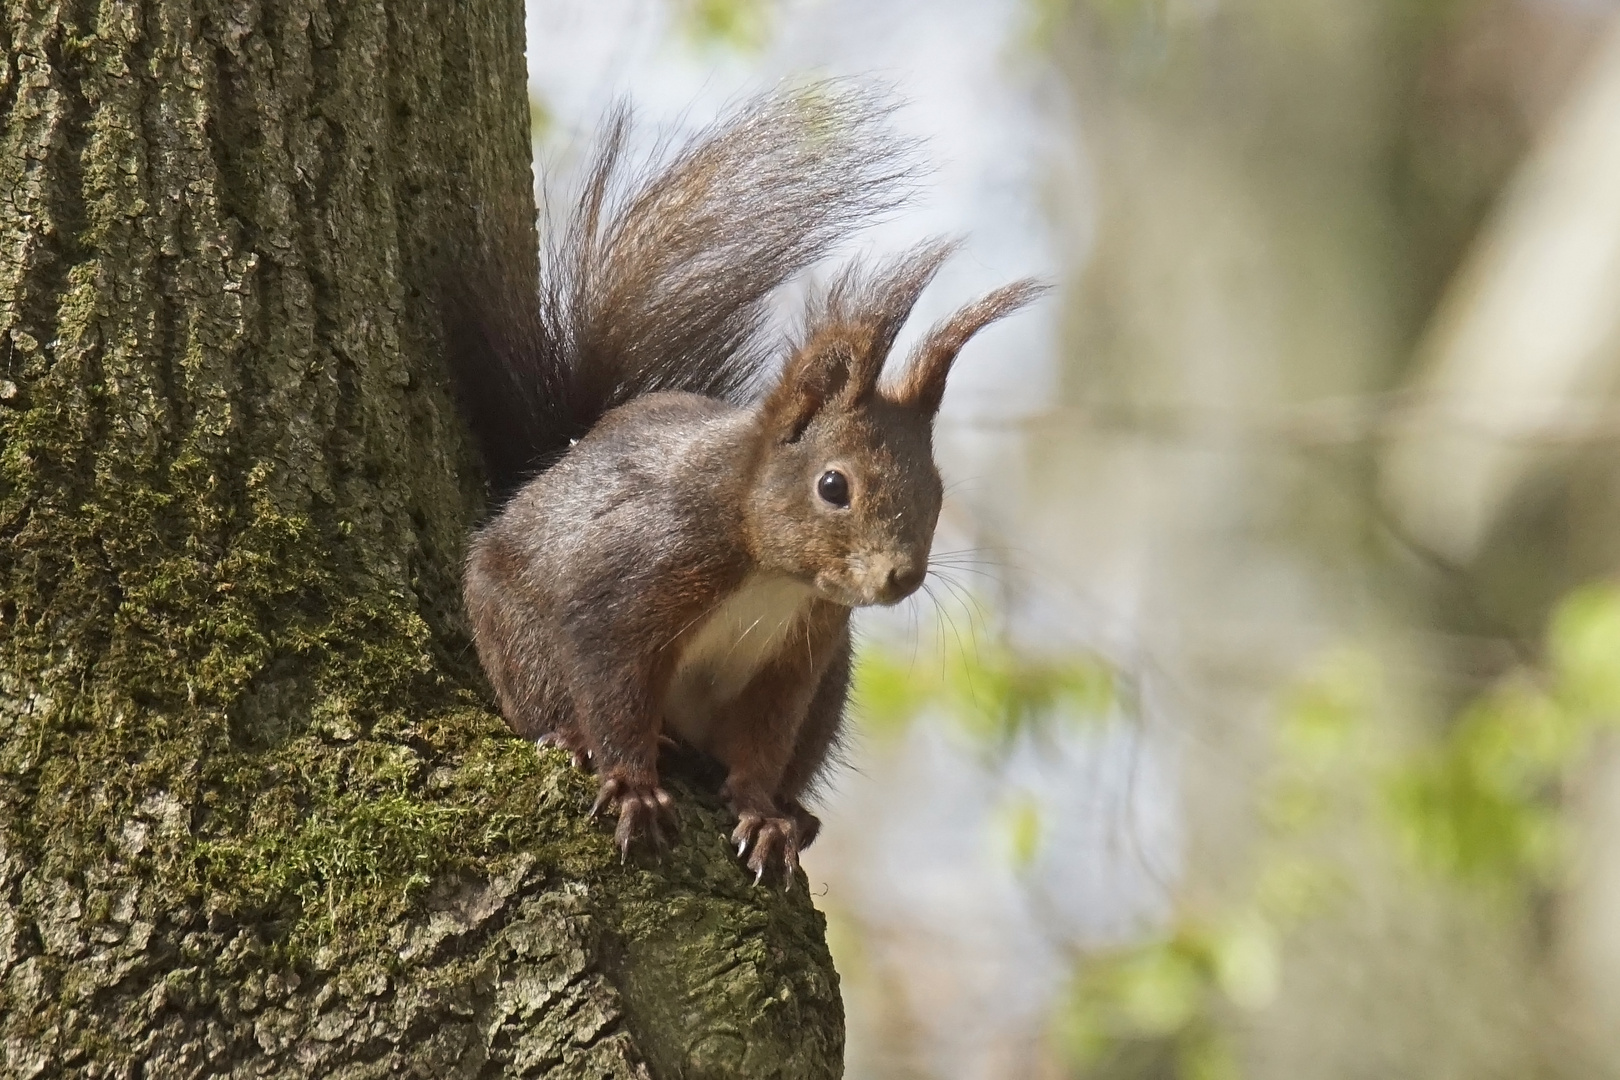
(754, 740)
(756, 737)
(516, 645)
(615, 712)
(818, 741)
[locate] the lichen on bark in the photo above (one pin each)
(255, 815)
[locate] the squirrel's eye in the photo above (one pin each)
(833, 487)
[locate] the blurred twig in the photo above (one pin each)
(1344, 421)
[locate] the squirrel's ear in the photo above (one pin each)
(869, 308)
(814, 375)
(922, 386)
(848, 336)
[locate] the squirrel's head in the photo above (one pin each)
(846, 494)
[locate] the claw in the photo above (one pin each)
(666, 808)
(774, 840)
(579, 755)
(644, 811)
(607, 793)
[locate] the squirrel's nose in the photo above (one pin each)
(903, 581)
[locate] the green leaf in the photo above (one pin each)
(1021, 822)
(739, 24)
(888, 694)
(1584, 646)
(1322, 716)
(1247, 962)
(1161, 989)
(994, 694)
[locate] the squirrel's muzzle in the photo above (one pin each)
(896, 580)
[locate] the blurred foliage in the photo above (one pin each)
(1157, 1009)
(994, 694)
(737, 24)
(1127, 21)
(1478, 805)
(1482, 804)
(541, 119)
(1139, 31)
(1022, 827)
(1162, 1007)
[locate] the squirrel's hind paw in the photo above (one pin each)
(646, 812)
(763, 840)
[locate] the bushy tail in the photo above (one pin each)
(661, 278)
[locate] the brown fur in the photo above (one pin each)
(676, 572)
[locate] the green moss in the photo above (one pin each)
(340, 839)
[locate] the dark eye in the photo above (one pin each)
(833, 487)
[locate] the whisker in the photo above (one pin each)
(939, 618)
(912, 627)
(705, 613)
(964, 596)
(984, 555)
(987, 575)
(994, 571)
(961, 648)
(741, 636)
(968, 557)
(1002, 556)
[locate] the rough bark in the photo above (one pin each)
(255, 815)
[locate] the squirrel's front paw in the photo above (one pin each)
(571, 742)
(762, 839)
(645, 810)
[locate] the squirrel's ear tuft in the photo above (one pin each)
(848, 335)
(922, 386)
(818, 372)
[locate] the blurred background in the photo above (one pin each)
(1258, 718)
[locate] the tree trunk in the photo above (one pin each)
(256, 817)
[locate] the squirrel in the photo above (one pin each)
(686, 520)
